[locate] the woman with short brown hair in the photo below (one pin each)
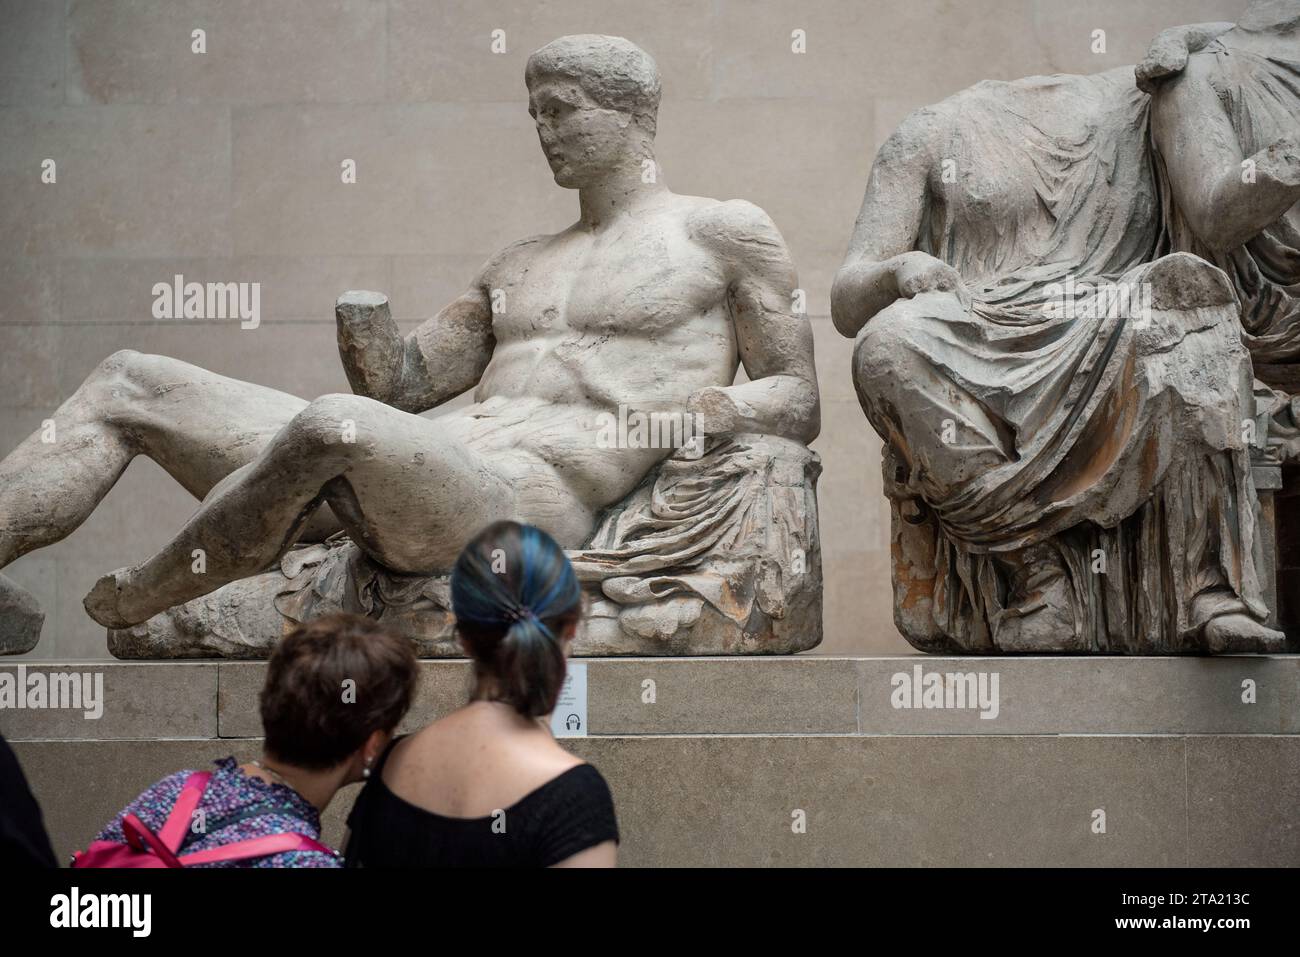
(335, 689)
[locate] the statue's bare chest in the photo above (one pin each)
(644, 279)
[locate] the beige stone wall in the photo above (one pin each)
(225, 166)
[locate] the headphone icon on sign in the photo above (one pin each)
(572, 723)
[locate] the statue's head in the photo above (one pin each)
(595, 100)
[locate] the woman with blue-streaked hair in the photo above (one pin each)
(488, 785)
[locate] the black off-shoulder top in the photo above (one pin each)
(569, 813)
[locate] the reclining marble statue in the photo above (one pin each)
(1066, 402)
(644, 307)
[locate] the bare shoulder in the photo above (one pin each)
(913, 139)
(1197, 80)
(523, 767)
(418, 746)
(729, 221)
(741, 234)
(466, 731)
(557, 760)
(513, 255)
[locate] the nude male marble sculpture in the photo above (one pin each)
(1066, 474)
(648, 302)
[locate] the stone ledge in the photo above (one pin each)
(140, 700)
(804, 694)
(960, 800)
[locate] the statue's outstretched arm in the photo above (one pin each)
(775, 342)
(1225, 197)
(442, 358)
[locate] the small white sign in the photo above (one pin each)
(569, 719)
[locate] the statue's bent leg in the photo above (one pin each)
(934, 422)
(197, 425)
(945, 433)
(407, 492)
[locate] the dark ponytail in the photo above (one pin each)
(514, 595)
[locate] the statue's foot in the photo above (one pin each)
(20, 618)
(1046, 630)
(1039, 618)
(106, 602)
(1241, 634)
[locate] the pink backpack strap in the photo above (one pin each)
(255, 847)
(142, 840)
(178, 821)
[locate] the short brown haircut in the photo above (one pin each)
(310, 716)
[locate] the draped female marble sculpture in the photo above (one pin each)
(1062, 404)
(649, 302)
(1226, 127)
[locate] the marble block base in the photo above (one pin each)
(1192, 761)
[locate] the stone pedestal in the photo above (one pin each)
(886, 761)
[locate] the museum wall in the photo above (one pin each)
(225, 166)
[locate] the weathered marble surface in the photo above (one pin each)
(712, 555)
(20, 619)
(1068, 411)
(645, 307)
(1225, 121)
(1226, 129)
